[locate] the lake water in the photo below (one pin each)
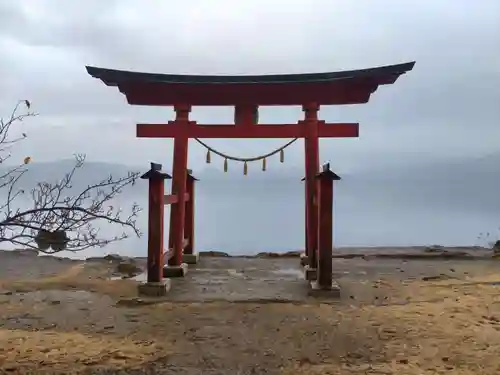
(240, 218)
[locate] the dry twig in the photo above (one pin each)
(54, 206)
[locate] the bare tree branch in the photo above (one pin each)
(56, 209)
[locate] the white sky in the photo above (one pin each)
(447, 107)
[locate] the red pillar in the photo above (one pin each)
(325, 232)
(305, 223)
(155, 221)
(311, 143)
(179, 176)
(189, 216)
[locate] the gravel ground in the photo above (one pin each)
(395, 316)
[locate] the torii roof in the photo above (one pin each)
(344, 87)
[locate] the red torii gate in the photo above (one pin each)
(246, 94)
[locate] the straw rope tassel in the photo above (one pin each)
(245, 160)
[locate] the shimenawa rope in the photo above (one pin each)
(245, 160)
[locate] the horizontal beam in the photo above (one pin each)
(339, 130)
(334, 130)
(172, 198)
(355, 91)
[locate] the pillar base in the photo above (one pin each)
(304, 260)
(310, 273)
(175, 271)
(159, 289)
(190, 258)
(331, 291)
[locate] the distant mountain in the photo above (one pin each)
(469, 183)
(458, 170)
(90, 172)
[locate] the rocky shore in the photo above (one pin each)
(250, 315)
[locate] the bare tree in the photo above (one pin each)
(58, 219)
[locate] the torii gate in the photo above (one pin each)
(246, 94)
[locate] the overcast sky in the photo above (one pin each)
(447, 107)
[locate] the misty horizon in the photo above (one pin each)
(264, 211)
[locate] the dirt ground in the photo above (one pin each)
(251, 316)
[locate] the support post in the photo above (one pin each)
(304, 259)
(324, 280)
(155, 285)
(189, 256)
(179, 177)
(311, 145)
(325, 232)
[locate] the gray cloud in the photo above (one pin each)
(446, 108)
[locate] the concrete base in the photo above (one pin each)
(332, 291)
(154, 289)
(304, 260)
(175, 271)
(310, 274)
(190, 258)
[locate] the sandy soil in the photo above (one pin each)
(396, 316)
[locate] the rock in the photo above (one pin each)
(268, 255)
(291, 254)
(434, 249)
(215, 254)
(491, 319)
(496, 247)
(133, 302)
(130, 302)
(121, 356)
(129, 268)
(30, 252)
(436, 277)
(113, 258)
(288, 254)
